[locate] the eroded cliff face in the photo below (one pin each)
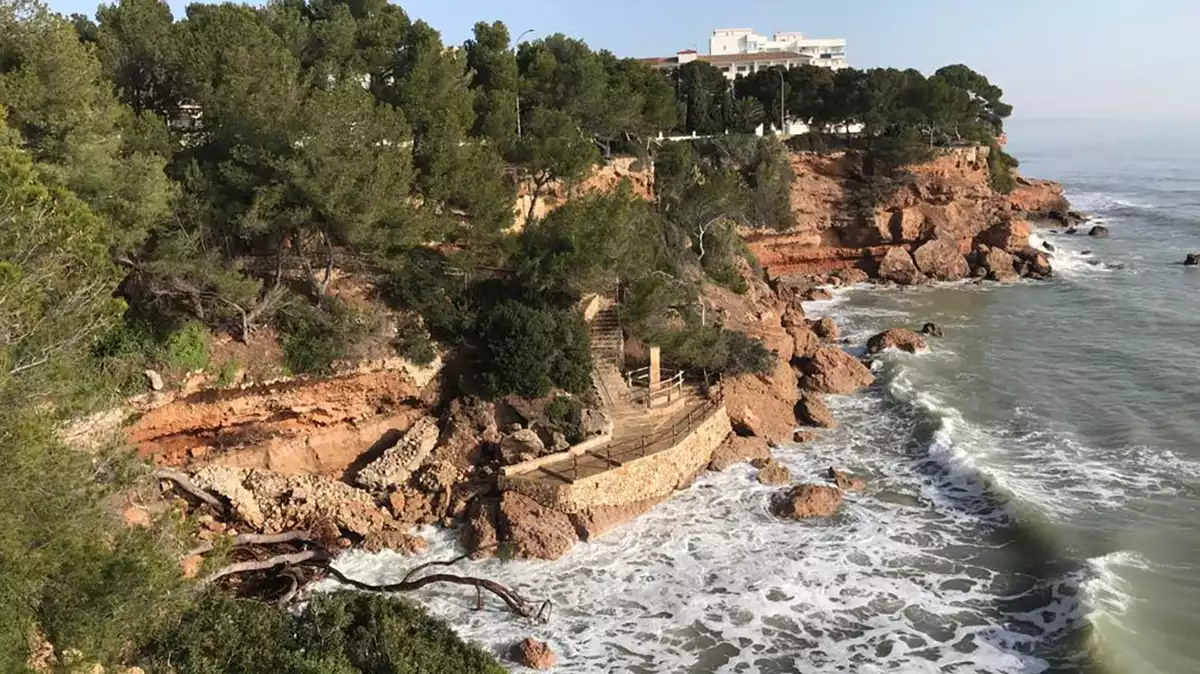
(603, 179)
(948, 200)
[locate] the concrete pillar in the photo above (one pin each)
(655, 368)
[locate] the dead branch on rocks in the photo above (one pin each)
(242, 540)
(291, 559)
(185, 483)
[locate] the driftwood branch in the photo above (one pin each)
(185, 483)
(515, 602)
(263, 564)
(242, 540)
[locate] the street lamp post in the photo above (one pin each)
(515, 45)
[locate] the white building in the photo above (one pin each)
(735, 65)
(830, 53)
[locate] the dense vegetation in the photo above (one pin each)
(165, 179)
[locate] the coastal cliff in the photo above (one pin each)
(845, 221)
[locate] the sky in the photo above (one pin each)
(1057, 59)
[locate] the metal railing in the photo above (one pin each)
(616, 455)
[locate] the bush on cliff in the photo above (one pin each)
(341, 633)
(528, 350)
(1000, 169)
(712, 350)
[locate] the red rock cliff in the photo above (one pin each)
(948, 200)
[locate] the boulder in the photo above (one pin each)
(817, 295)
(772, 472)
(738, 449)
(896, 338)
(832, 370)
(1010, 236)
(811, 410)
(941, 260)
(469, 432)
(1192, 260)
(806, 501)
(593, 422)
(1049, 247)
(438, 477)
(1099, 231)
(805, 342)
(1000, 266)
(398, 462)
(931, 329)
(533, 530)
(155, 380)
(851, 276)
(846, 482)
(532, 654)
(478, 534)
(521, 445)
(1071, 231)
(824, 328)
(801, 437)
(898, 267)
(793, 315)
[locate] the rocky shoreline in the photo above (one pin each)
(361, 459)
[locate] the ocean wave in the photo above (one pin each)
(1104, 202)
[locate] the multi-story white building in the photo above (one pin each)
(734, 65)
(830, 53)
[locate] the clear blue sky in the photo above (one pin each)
(1054, 58)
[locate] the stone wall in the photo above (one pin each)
(640, 481)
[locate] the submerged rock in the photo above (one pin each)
(533, 654)
(896, 338)
(931, 329)
(1192, 260)
(846, 482)
(772, 472)
(807, 501)
(1099, 231)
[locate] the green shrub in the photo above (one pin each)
(564, 415)
(714, 350)
(1000, 169)
(314, 338)
(187, 348)
(528, 350)
(415, 344)
(342, 633)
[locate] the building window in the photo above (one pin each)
(743, 69)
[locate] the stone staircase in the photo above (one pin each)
(608, 342)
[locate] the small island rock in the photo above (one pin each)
(1192, 260)
(896, 338)
(533, 654)
(1099, 231)
(932, 329)
(806, 501)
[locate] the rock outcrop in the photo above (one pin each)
(824, 328)
(947, 201)
(832, 370)
(805, 342)
(896, 338)
(1009, 236)
(533, 654)
(941, 260)
(521, 445)
(273, 502)
(1099, 231)
(1192, 260)
(932, 330)
(1000, 266)
(898, 267)
(534, 531)
(812, 411)
(398, 462)
(739, 449)
(807, 501)
(772, 472)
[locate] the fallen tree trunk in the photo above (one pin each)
(185, 483)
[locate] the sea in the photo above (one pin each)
(1034, 477)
